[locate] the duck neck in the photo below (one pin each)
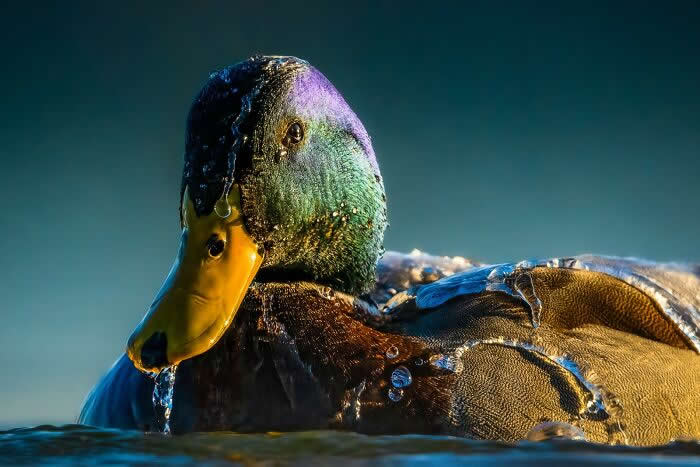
(280, 355)
(329, 232)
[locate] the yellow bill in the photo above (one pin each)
(197, 302)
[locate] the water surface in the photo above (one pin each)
(77, 444)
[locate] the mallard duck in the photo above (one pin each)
(282, 311)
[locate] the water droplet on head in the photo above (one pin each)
(354, 210)
(395, 394)
(401, 377)
(222, 207)
(419, 361)
(392, 352)
(335, 214)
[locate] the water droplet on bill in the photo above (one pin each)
(163, 395)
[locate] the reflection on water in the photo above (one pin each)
(76, 444)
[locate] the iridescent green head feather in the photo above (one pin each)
(312, 193)
(280, 184)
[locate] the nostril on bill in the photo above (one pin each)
(154, 351)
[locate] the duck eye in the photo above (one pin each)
(215, 245)
(295, 133)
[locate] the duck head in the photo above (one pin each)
(280, 184)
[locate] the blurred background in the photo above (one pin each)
(504, 130)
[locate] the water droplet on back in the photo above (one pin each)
(445, 362)
(595, 403)
(395, 394)
(392, 352)
(592, 407)
(327, 292)
(401, 377)
(525, 288)
(555, 430)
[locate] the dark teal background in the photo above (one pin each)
(515, 130)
